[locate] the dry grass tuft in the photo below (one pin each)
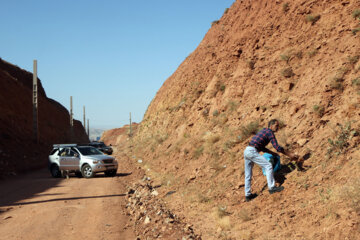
(214, 138)
(287, 72)
(225, 223)
(351, 193)
(249, 130)
(244, 215)
(337, 83)
(214, 22)
(221, 211)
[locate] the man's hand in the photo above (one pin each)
(292, 156)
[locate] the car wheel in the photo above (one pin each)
(110, 173)
(55, 171)
(78, 174)
(87, 171)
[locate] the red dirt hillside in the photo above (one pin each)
(18, 151)
(297, 61)
(118, 136)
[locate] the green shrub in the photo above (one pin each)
(299, 54)
(312, 18)
(198, 152)
(319, 110)
(251, 64)
(312, 53)
(356, 84)
(215, 113)
(232, 106)
(356, 13)
(355, 30)
(341, 142)
(222, 87)
(285, 57)
(354, 59)
(285, 7)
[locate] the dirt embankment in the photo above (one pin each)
(18, 150)
(297, 61)
(119, 137)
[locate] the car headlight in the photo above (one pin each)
(96, 161)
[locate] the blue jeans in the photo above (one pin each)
(251, 156)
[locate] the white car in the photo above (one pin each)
(83, 160)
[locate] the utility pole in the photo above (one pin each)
(35, 104)
(88, 129)
(130, 134)
(84, 119)
(71, 119)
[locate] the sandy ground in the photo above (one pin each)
(36, 206)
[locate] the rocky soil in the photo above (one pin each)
(297, 61)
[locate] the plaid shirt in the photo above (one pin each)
(262, 138)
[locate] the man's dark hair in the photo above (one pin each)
(272, 122)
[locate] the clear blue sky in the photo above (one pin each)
(111, 55)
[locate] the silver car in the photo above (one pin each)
(84, 161)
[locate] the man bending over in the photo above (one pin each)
(251, 155)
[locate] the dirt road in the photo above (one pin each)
(36, 206)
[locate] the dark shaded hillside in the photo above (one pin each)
(18, 151)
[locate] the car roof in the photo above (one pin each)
(64, 145)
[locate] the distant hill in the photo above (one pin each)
(95, 133)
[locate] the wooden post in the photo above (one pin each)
(130, 134)
(88, 129)
(84, 119)
(71, 119)
(35, 104)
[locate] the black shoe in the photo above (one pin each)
(250, 197)
(276, 189)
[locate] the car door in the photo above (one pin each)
(65, 159)
(75, 160)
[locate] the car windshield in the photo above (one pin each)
(89, 151)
